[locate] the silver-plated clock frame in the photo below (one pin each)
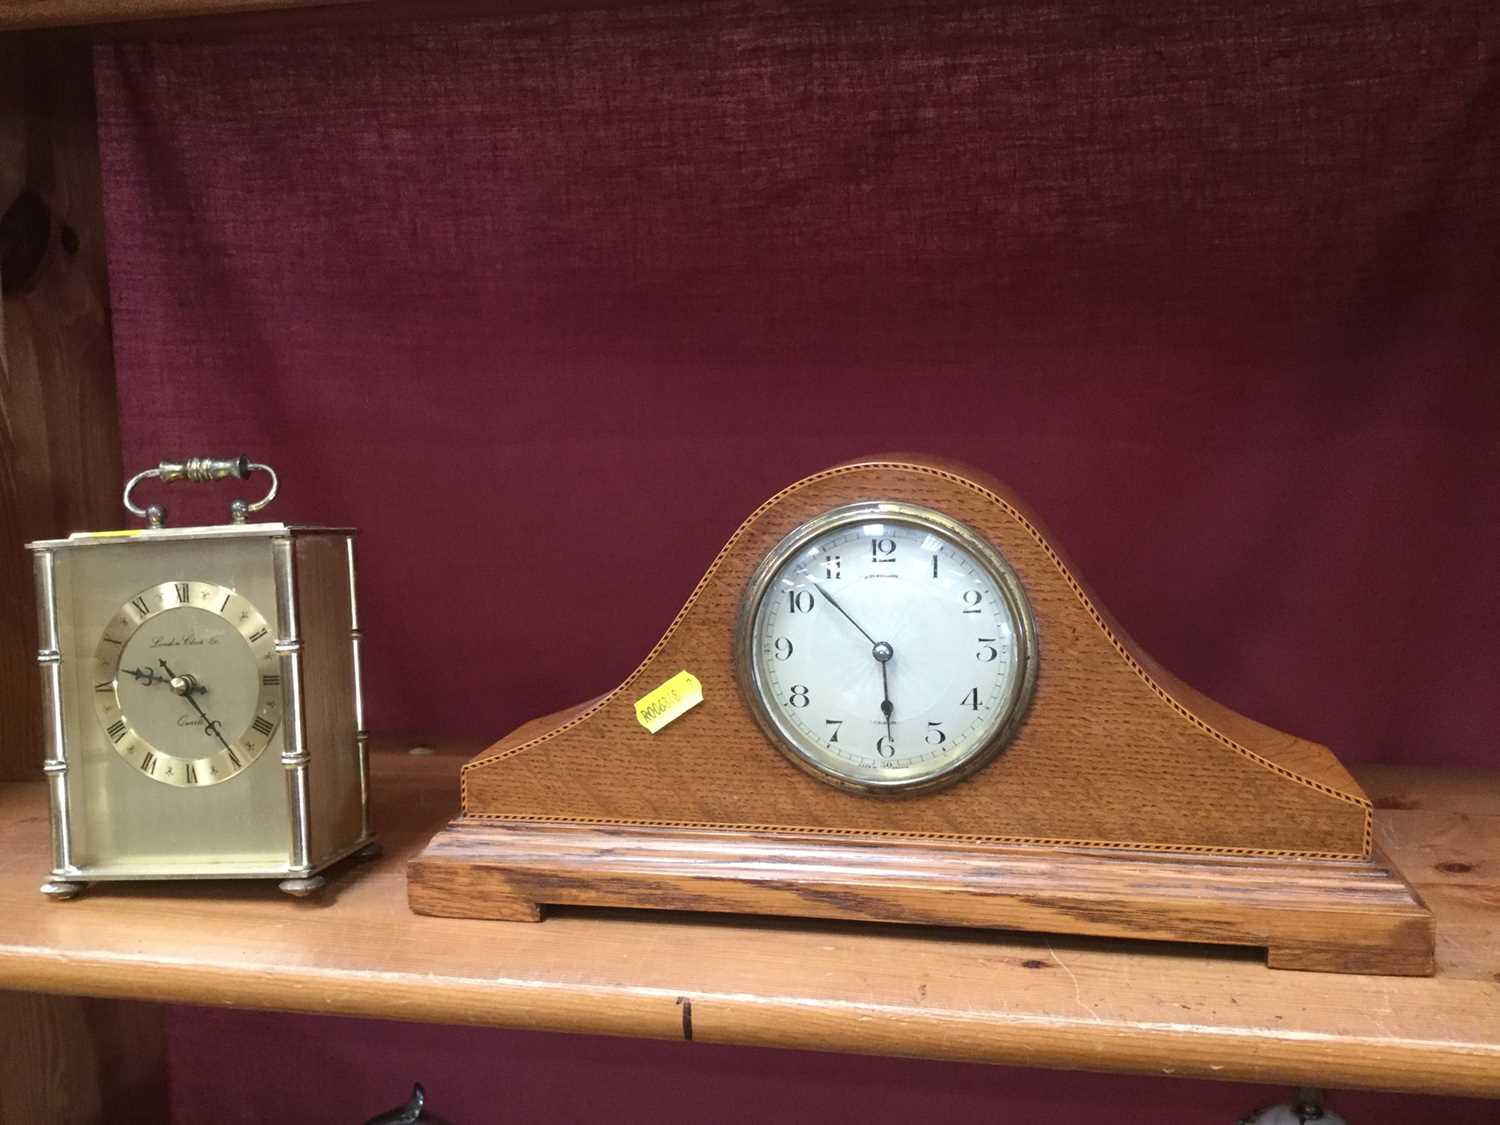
(1001, 727)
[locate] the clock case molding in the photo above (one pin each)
(1127, 804)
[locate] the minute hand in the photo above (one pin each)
(209, 726)
(845, 612)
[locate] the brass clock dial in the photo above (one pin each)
(886, 648)
(187, 683)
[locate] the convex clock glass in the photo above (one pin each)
(887, 648)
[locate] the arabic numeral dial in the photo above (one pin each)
(186, 684)
(887, 647)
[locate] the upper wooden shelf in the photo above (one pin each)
(17, 15)
(971, 995)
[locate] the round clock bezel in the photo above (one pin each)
(204, 770)
(999, 730)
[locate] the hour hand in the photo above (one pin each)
(150, 675)
(883, 653)
(185, 685)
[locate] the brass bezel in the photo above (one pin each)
(1007, 718)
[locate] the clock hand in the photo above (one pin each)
(883, 653)
(210, 726)
(187, 686)
(148, 677)
(845, 612)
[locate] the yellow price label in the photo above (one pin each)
(670, 701)
(131, 533)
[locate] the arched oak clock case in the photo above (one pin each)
(1119, 801)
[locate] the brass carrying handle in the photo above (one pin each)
(201, 469)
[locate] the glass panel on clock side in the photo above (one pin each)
(336, 811)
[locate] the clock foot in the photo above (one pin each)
(370, 851)
(62, 889)
(301, 888)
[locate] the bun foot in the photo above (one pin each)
(372, 850)
(61, 889)
(301, 888)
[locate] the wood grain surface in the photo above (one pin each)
(1032, 1000)
(237, 17)
(66, 1058)
(59, 436)
(1356, 916)
(1114, 751)
(19, 14)
(79, 1060)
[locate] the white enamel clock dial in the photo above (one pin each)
(887, 648)
(187, 683)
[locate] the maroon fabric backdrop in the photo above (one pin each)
(330, 1071)
(546, 304)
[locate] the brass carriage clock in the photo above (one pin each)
(201, 697)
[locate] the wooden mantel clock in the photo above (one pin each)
(913, 710)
